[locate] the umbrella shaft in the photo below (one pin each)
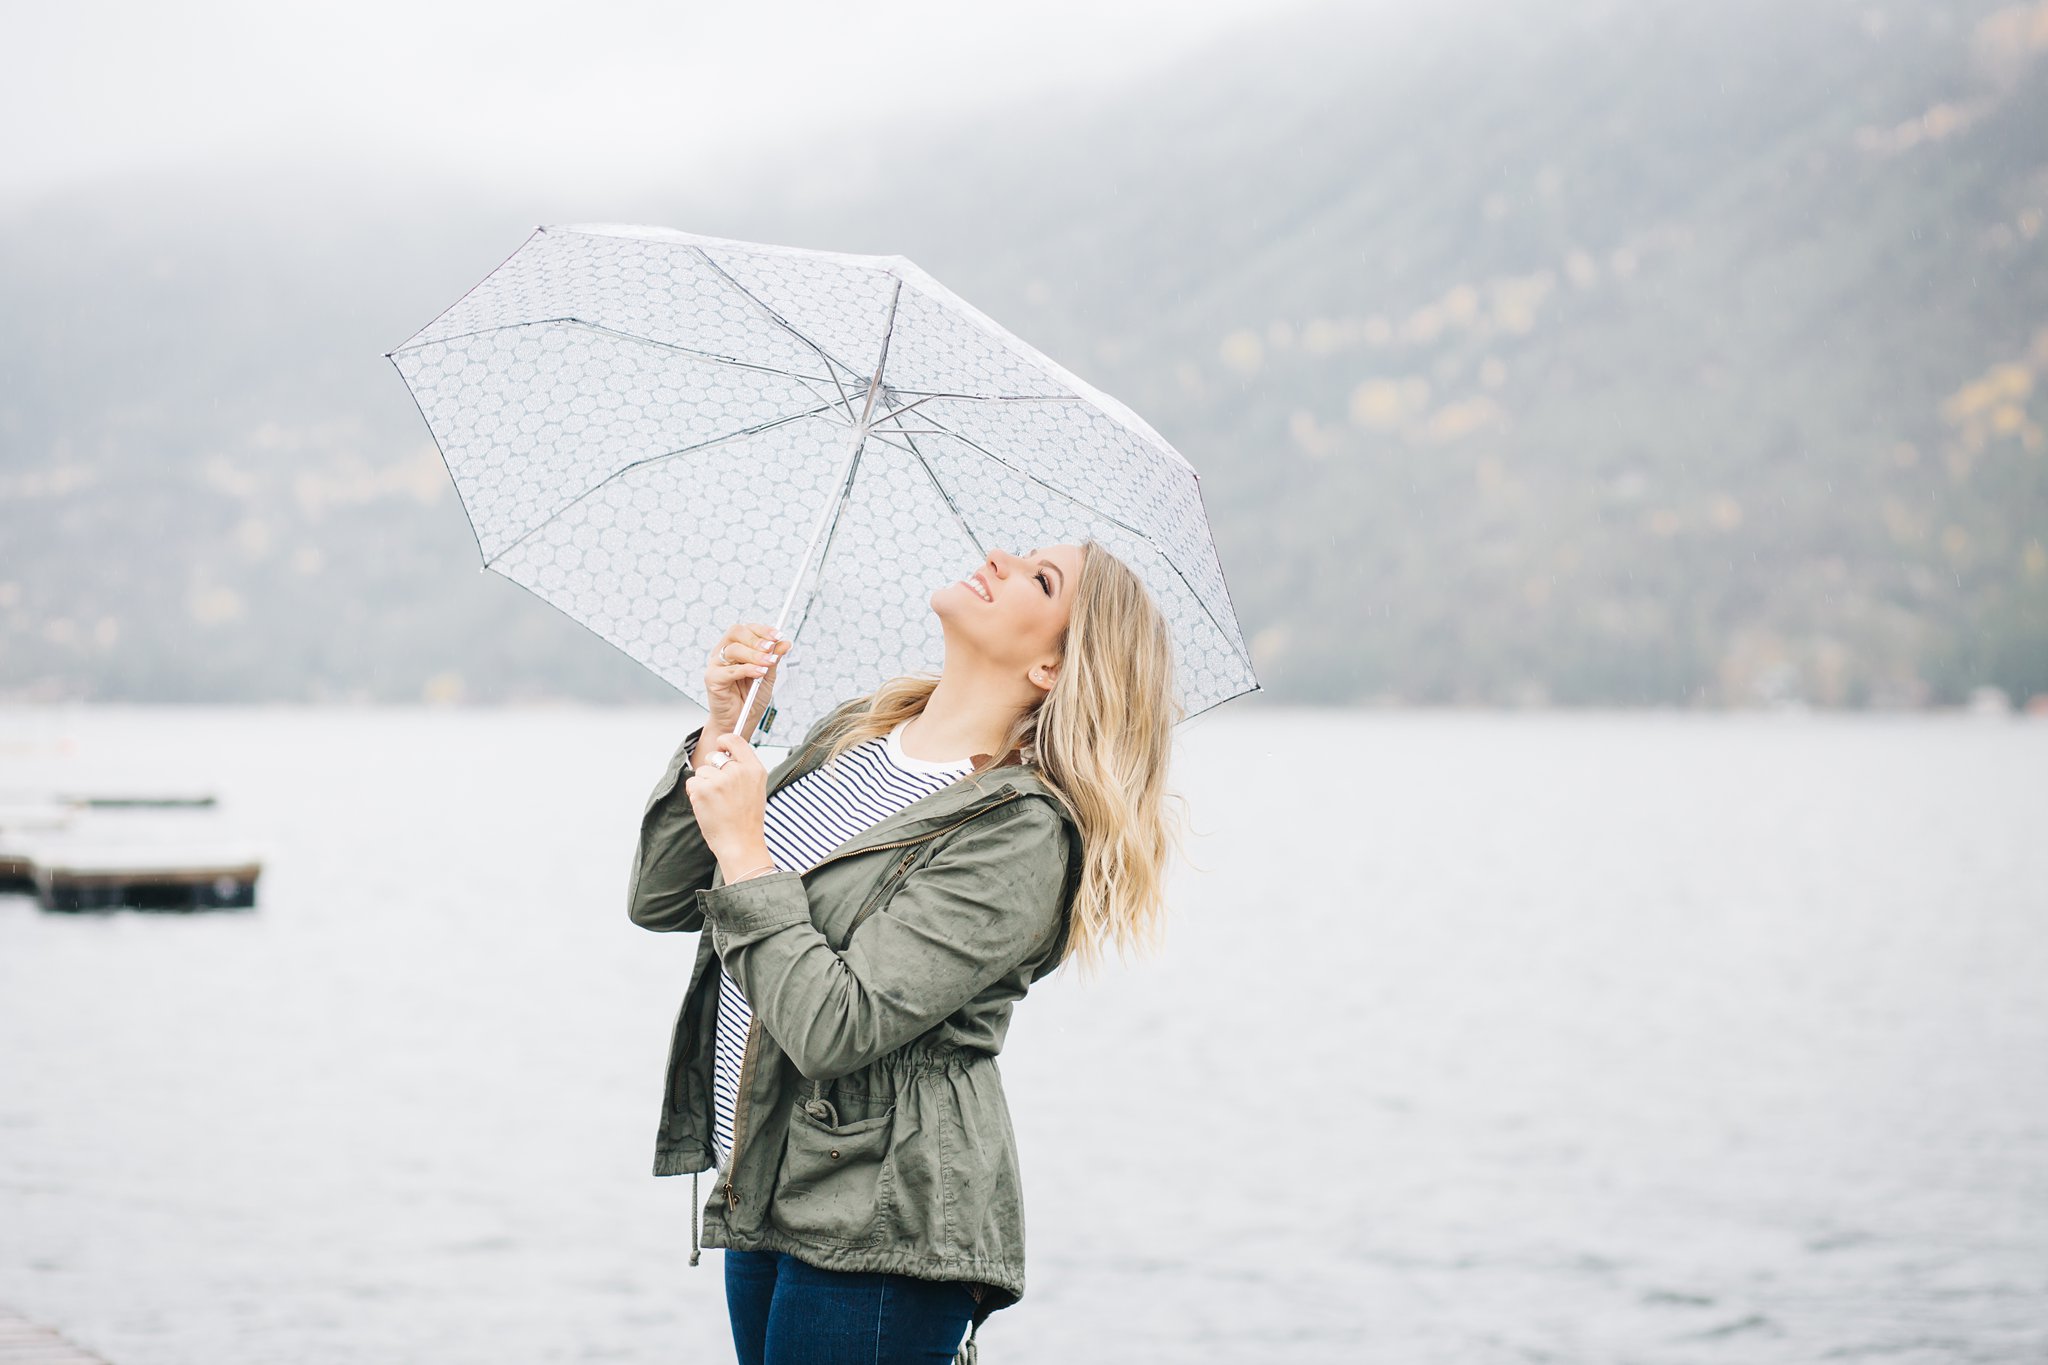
(827, 518)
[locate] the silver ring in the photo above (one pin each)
(721, 657)
(720, 759)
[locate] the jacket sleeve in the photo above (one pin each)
(672, 861)
(990, 899)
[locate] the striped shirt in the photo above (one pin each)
(804, 821)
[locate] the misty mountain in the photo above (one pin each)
(1614, 353)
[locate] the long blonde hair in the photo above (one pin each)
(1100, 741)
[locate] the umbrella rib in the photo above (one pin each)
(895, 413)
(833, 364)
(539, 231)
(650, 459)
(1221, 629)
(991, 397)
(1150, 438)
(807, 380)
(711, 356)
(938, 487)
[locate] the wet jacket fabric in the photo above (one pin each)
(871, 1129)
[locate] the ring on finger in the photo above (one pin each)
(721, 656)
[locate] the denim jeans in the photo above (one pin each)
(785, 1312)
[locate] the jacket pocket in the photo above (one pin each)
(830, 1184)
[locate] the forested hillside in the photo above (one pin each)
(1583, 353)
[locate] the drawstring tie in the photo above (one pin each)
(693, 1218)
(967, 1355)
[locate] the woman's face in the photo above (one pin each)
(1012, 609)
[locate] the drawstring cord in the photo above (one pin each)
(693, 1218)
(967, 1354)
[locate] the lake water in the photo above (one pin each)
(1477, 1038)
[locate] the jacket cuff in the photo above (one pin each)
(679, 769)
(757, 907)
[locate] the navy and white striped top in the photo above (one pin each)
(805, 820)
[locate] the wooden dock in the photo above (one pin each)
(142, 850)
(27, 1343)
(144, 880)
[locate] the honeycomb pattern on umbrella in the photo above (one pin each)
(894, 546)
(657, 292)
(838, 308)
(569, 409)
(935, 349)
(646, 427)
(660, 560)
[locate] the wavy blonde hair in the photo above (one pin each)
(1100, 739)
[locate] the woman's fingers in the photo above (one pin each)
(734, 750)
(749, 642)
(760, 643)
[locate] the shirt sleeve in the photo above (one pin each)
(990, 900)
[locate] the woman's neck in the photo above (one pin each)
(961, 717)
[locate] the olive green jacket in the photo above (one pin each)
(871, 1131)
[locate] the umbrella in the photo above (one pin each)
(661, 433)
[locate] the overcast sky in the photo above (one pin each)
(582, 95)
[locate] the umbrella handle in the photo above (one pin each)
(745, 730)
(747, 709)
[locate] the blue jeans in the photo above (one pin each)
(785, 1312)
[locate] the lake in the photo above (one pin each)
(1516, 1037)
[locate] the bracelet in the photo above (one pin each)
(765, 867)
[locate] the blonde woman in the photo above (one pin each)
(871, 912)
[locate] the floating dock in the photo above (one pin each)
(147, 851)
(145, 879)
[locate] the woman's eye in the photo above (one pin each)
(1048, 586)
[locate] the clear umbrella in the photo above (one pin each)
(660, 433)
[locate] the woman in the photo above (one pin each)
(875, 907)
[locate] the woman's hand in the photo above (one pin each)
(751, 651)
(731, 803)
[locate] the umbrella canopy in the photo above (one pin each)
(661, 434)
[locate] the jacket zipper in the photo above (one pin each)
(732, 1199)
(875, 900)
